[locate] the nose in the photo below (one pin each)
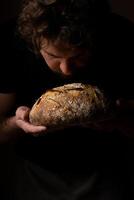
(65, 67)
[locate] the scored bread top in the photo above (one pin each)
(66, 105)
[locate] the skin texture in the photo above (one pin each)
(60, 60)
(64, 34)
(65, 61)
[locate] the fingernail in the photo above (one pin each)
(42, 128)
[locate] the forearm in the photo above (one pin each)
(9, 130)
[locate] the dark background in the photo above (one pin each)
(10, 8)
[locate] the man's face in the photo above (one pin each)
(65, 60)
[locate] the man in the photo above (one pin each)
(60, 42)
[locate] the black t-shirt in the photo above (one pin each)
(111, 67)
(28, 76)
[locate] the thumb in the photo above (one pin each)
(23, 113)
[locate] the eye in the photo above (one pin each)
(50, 56)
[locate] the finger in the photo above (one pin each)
(22, 113)
(29, 128)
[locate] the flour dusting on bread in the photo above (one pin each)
(66, 105)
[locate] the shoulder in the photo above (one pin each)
(121, 22)
(8, 36)
(116, 53)
(11, 42)
(121, 28)
(117, 34)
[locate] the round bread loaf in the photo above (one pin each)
(71, 104)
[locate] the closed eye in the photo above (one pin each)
(52, 55)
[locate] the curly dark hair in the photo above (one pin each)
(70, 21)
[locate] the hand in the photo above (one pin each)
(121, 119)
(22, 121)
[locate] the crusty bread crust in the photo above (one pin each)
(67, 105)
